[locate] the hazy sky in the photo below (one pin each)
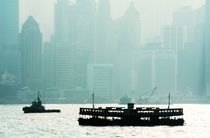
(153, 13)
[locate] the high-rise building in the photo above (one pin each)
(9, 25)
(157, 68)
(190, 72)
(64, 21)
(130, 31)
(181, 31)
(207, 48)
(84, 40)
(184, 36)
(101, 79)
(74, 41)
(64, 39)
(49, 65)
(172, 37)
(9, 33)
(129, 38)
(64, 67)
(31, 47)
(104, 26)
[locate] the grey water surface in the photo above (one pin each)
(14, 123)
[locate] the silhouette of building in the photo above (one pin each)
(130, 32)
(84, 40)
(101, 79)
(9, 33)
(64, 39)
(172, 37)
(31, 49)
(9, 27)
(63, 21)
(190, 73)
(104, 26)
(175, 36)
(207, 48)
(184, 36)
(157, 68)
(49, 65)
(64, 66)
(74, 41)
(129, 38)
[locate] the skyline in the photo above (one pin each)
(89, 35)
(148, 16)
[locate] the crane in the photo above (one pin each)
(141, 100)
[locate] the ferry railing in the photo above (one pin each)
(134, 112)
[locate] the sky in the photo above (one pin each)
(153, 13)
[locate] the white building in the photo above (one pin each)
(64, 66)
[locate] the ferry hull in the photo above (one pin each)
(105, 122)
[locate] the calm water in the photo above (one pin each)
(13, 123)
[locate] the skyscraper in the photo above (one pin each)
(63, 21)
(49, 64)
(128, 41)
(9, 28)
(9, 25)
(101, 79)
(130, 32)
(184, 36)
(74, 39)
(64, 40)
(84, 40)
(31, 49)
(103, 48)
(207, 49)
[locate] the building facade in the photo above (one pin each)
(9, 35)
(207, 48)
(31, 49)
(101, 79)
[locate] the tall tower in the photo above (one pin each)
(103, 51)
(207, 49)
(130, 30)
(64, 38)
(128, 42)
(9, 28)
(62, 13)
(9, 25)
(84, 40)
(31, 47)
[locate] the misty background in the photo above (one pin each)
(138, 49)
(153, 14)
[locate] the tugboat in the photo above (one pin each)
(125, 100)
(37, 107)
(141, 116)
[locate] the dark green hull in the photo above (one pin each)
(31, 110)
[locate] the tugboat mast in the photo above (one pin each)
(38, 95)
(38, 98)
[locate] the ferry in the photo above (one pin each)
(131, 116)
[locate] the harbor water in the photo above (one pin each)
(14, 124)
